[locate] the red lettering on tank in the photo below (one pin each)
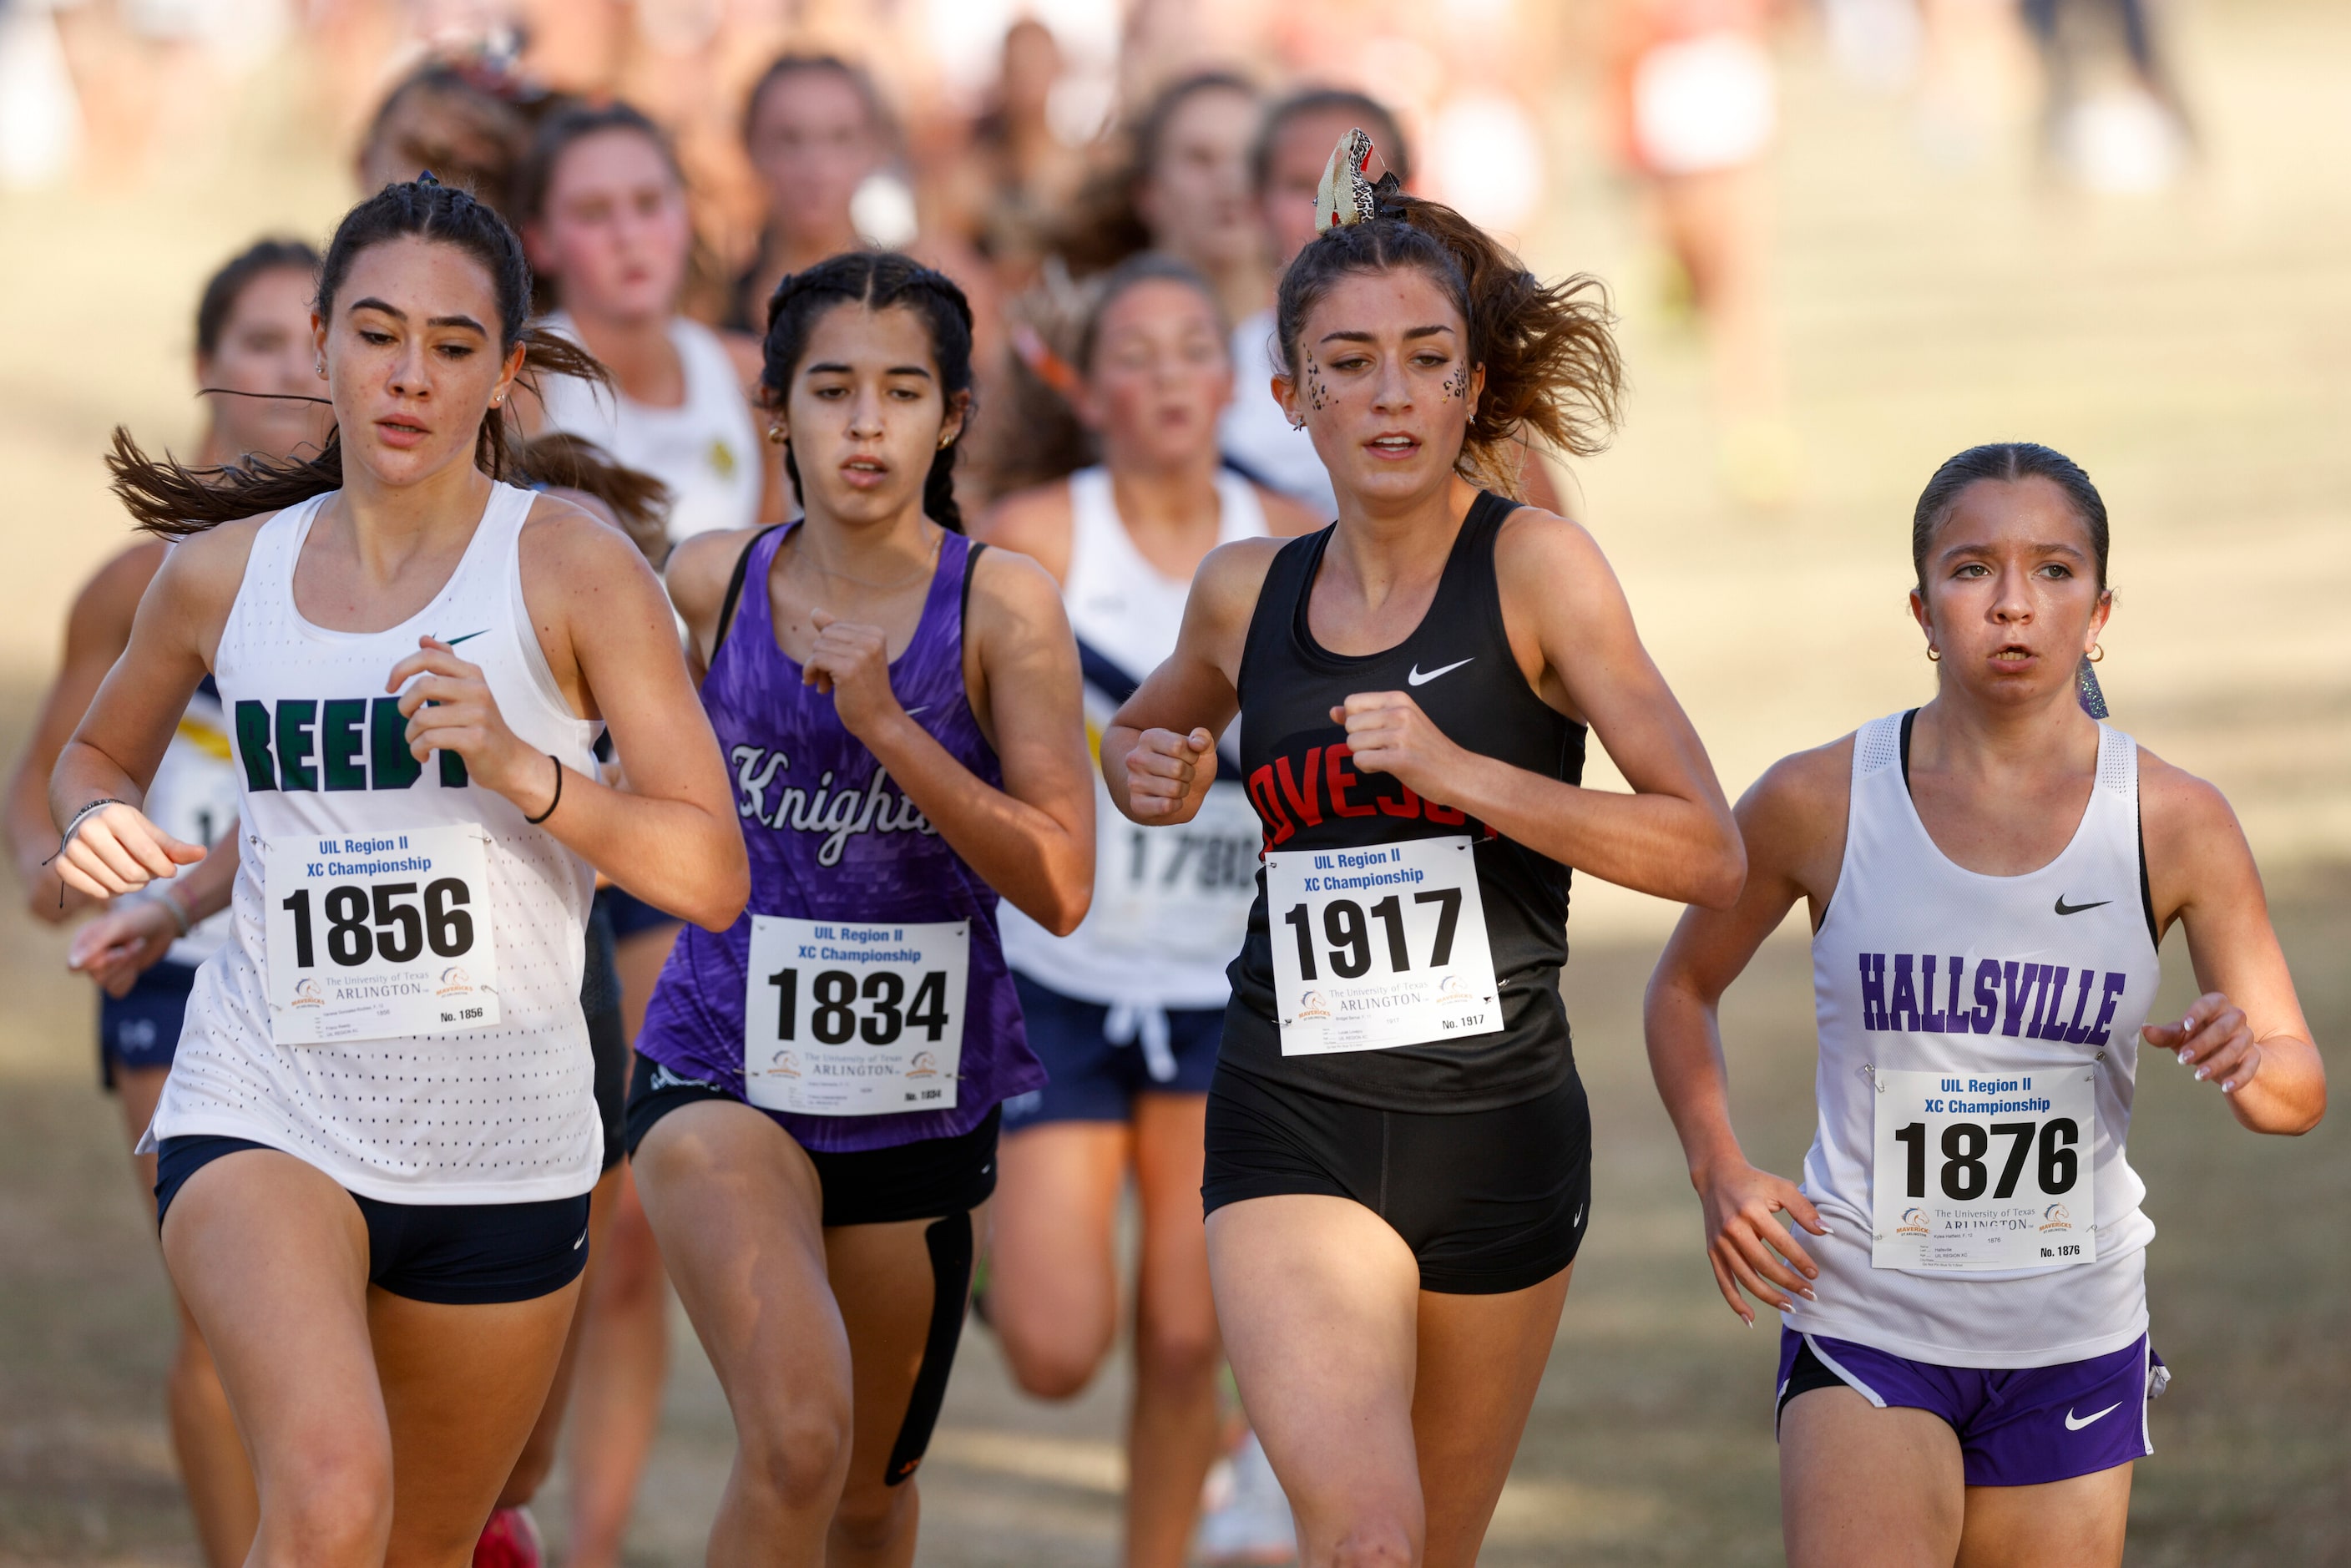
(1309, 806)
(1407, 807)
(1446, 814)
(1277, 826)
(1342, 778)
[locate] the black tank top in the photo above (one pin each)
(1458, 665)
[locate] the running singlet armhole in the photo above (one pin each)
(963, 604)
(734, 587)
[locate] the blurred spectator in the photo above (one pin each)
(468, 122)
(1695, 107)
(603, 208)
(1286, 163)
(817, 133)
(2130, 135)
(1180, 184)
(1021, 173)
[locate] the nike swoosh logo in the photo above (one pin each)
(582, 1242)
(1417, 679)
(2074, 1425)
(1579, 1217)
(468, 637)
(913, 711)
(2065, 908)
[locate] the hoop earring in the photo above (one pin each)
(2097, 654)
(1934, 654)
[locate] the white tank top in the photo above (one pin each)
(194, 798)
(497, 1114)
(1923, 967)
(705, 449)
(1171, 904)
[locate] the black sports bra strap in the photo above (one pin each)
(970, 562)
(734, 587)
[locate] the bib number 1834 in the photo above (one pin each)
(848, 1017)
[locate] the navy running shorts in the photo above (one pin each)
(141, 1028)
(1098, 1059)
(454, 1254)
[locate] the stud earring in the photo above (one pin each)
(775, 435)
(946, 441)
(322, 370)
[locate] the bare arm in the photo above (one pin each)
(1032, 841)
(1794, 823)
(2246, 1033)
(135, 933)
(1158, 754)
(672, 837)
(1672, 836)
(98, 628)
(121, 739)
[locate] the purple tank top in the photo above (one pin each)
(830, 837)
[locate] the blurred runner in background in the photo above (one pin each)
(1693, 109)
(254, 360)
(1125, 1011)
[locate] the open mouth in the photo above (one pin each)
(2014, 653)
(400, 432)
(1393, 447)
(864, 472)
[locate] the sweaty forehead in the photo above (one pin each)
(1384, 304)
(423, 279)
(853, 333)
(2009, 512)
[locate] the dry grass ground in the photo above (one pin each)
(2195, 353)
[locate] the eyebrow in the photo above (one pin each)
(835, 367)
(397, 314)
(1410, 332)
(1985, 547)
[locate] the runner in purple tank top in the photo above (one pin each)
(816, 1105)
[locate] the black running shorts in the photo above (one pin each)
(1489, 1201)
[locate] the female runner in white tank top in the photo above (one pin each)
(1965, 1362)
(1125, 1010)
(378, 1135)
(603, 208)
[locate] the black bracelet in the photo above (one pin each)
(535, 822)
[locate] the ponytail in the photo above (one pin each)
(173, 501)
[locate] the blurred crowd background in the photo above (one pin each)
(1845, 237)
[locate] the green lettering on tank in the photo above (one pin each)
(340, 743)
(453, 770)
(252, 745)
(296, 722)
(393, 765)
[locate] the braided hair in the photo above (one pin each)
(172, 501)
(879, 280)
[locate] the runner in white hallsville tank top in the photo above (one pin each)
(1965, 1365)
(375, 1148)
(1126, 1010)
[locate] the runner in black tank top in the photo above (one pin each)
(1397, 1146)
(1309, 798)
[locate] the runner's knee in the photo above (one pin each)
(330, 1503)
(1051, 1365)
(872, 1516)
(1374, 1543)
(797, 1457)
(1175, 1354)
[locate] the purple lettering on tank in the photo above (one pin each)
(832, 837)
(2110, 996)
(2017, 995)
(1930, 1018)
(2077, 1032)
(1873, 991)
(1987, 995)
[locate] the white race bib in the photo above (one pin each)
(379, 935)
(1183, 892)
(1984, 1170)
(1379, 947)
(850, 1018)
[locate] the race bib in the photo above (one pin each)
(1379, 947)
(1182, 892)
(376, 936)
(1984, 1170)
(854, 1019)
